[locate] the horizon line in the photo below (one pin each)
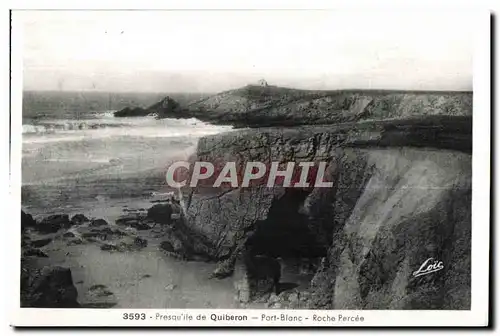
(251, 85)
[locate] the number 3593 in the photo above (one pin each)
(134, 316)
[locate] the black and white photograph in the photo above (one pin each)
(265, 167)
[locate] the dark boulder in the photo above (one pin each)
(161, 213)
(167, 246)
(140, 242)
(27, 221)
(79, 219)
(69, 234)
(53, 223)
(40, 242)
(98, 222)
(52, 287)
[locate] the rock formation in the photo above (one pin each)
(27, 221)
(132, 112)
(50, 287)
(401, 195)
(267, 105)
(262, 106)
(256, 275)
(167, 107)
(53, 223)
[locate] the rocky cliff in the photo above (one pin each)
(401, 195)
(256, 106)
(264, 106)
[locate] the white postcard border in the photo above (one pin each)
(477, 316)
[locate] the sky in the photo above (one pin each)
(210, 51)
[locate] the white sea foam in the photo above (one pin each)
(82, 159)
(62, 126)
(105, 114)
(162, 194)
(51, 139)
(75, 130)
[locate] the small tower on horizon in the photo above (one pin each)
(262, 82)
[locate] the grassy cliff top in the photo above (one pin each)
(272, 106)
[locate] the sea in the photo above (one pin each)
(77, 156)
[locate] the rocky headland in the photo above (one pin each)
(397, 200)
(264, 106)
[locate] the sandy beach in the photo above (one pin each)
(144, 278)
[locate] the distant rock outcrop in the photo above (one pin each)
(132, 112)
(166, 108)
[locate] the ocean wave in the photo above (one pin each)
(162, 194)
(68, 125)
(105, 114)
(102, 127)
(104, 120)
(86, 160)
(51, 139)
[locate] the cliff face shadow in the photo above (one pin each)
(285, 232)
(285, 235)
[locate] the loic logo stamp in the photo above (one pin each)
(431, 265)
